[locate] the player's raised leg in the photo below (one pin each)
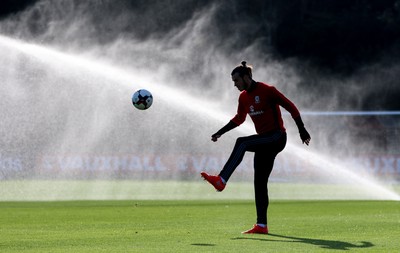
(217, 181)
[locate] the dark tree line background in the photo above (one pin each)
(334, 37)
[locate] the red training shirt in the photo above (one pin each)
(262, 104)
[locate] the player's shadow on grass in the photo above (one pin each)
(325, 244)
(203, 244)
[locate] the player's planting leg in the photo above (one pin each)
(263, 164)
(257, 229)
(264, 158)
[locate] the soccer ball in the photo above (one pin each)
(142, 99)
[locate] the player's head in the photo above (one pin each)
(242, 76)
(243, 70)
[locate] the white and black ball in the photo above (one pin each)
(142, 99)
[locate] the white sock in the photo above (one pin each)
(261, 225)
(223, 180)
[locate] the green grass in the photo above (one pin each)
(198, 226)
(55, 190)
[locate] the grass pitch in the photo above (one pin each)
(198, 226)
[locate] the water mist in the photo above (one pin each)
(70, 131)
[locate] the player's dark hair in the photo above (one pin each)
(243, 70)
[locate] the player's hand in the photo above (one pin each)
(215, 137)
(305, 136)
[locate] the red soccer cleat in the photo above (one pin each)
(216, 181)
(257, 230)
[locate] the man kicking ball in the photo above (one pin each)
(262, 102)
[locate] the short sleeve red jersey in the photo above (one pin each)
(263, 103)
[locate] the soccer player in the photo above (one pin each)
(262, 103)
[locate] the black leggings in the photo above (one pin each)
(265, 148)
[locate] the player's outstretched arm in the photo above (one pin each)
(231, 125)
(215, 137)
(304, 135)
